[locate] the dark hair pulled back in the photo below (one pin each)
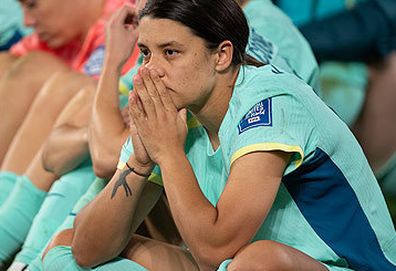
(212, 20)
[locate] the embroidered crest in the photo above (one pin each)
(258, 115)
(94, 64)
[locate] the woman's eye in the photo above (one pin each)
(171, 53)
(145, 53)
(30, 3)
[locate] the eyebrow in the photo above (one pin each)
(163, 45)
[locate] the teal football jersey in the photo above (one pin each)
(329, 204)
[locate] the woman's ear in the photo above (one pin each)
(225, 52)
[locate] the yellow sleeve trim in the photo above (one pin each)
(123, 89)
(155, 178)
(121, 165)
(268, 147)
(193, 123)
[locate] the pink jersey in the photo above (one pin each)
(88, 58)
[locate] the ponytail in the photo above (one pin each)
(249, 60)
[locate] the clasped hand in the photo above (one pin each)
(158, 129)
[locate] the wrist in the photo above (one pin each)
(170, 157)
(136, 172)
(115, 66)
(141, 168)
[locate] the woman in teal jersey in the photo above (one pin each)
(271, 179)
(262, 121)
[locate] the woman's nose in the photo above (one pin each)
(155, 65)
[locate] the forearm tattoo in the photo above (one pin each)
(122, 182)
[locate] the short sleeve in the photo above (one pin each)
(278, 123)
(126, 152)
(93, 65)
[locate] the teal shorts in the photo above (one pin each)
(223, 267)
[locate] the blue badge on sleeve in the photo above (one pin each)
(93, 66)
(258, 115)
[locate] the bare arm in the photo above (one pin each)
(118, 210)
(6, 61)
(214, 234)
(107, 130)
(67, 149)
(67, 145)
(114, 215)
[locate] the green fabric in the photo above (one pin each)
(344, 88)
(289, 46)
(223, 267)
(7, 183)
(11, 20)
(56, 207)
(304, 11)
(16, 215)
(93, 190)
(299, 120)
(61, 259)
